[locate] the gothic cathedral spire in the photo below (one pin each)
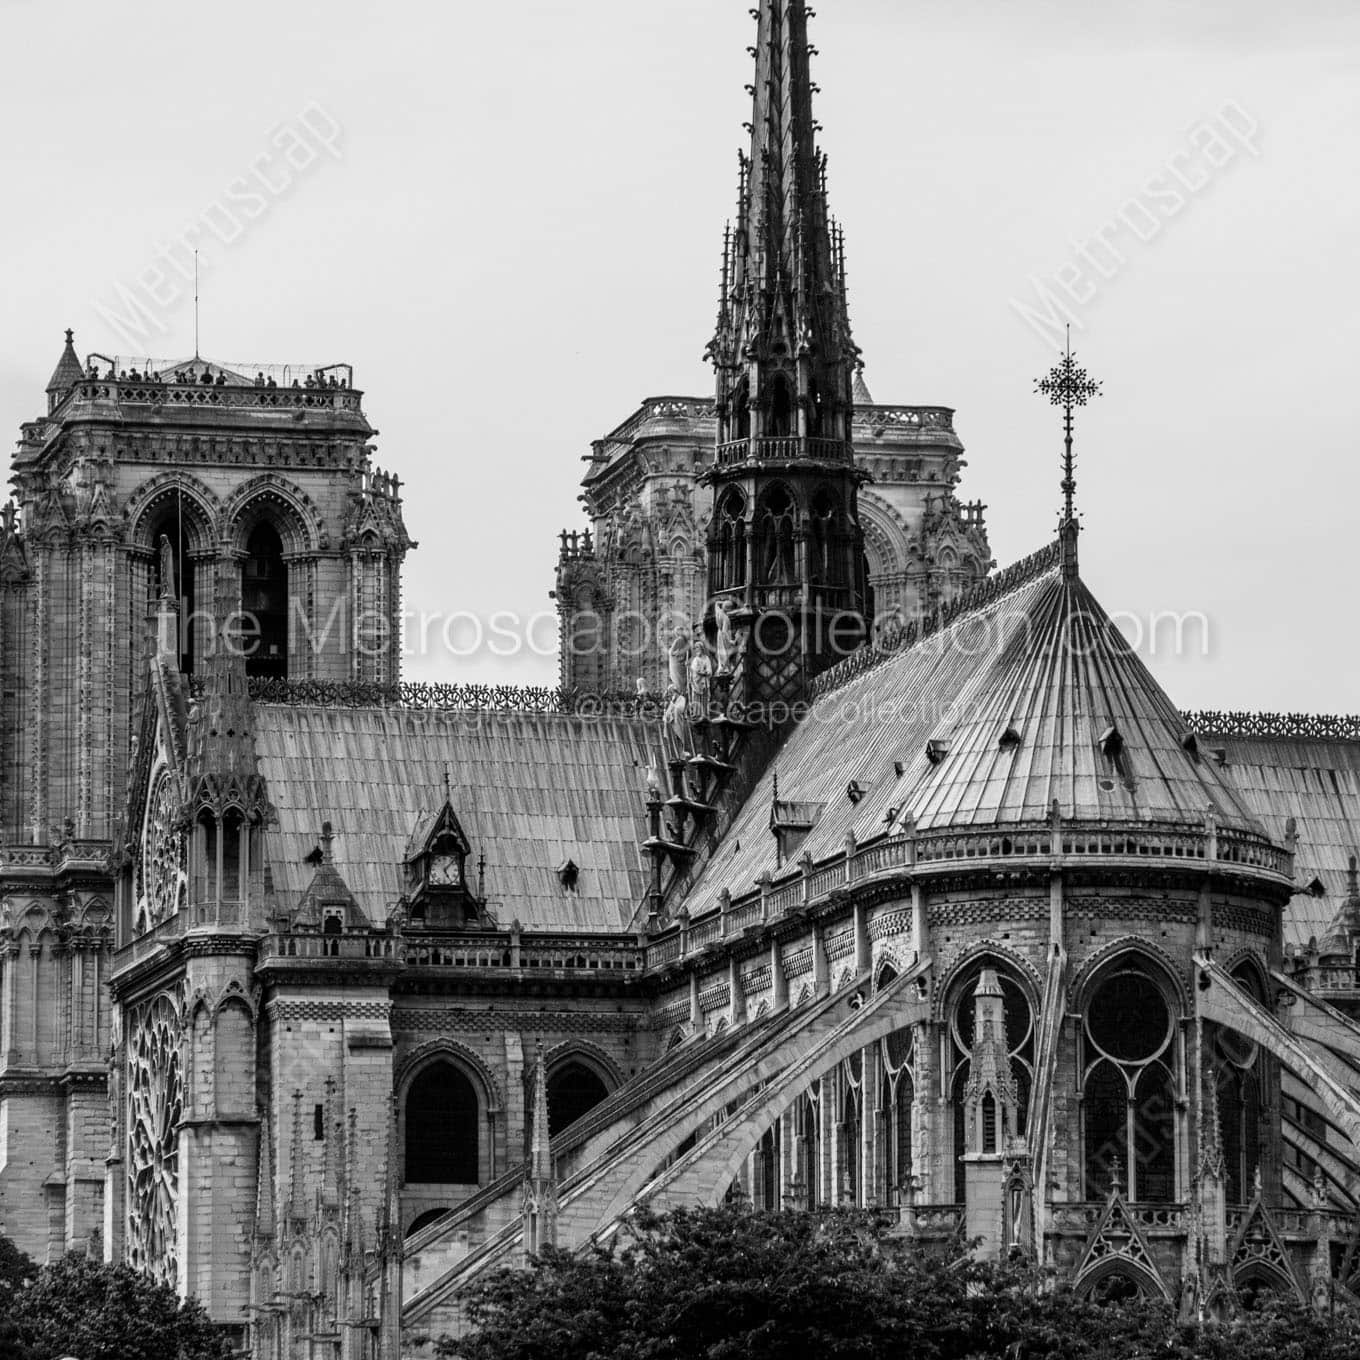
(785, 547)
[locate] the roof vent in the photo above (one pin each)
(1112, 743)
(936, 750)
(1316, 888)
(1190, 743)
(568, 874)
(899, 768)
(854, 791)
(1009, 739)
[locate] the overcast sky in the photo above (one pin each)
(507, 218)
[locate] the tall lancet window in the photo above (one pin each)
(731, 545)
(1128, 1088)
(264, 598)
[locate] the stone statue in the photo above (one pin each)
(729, 645)
(700, 681)
(676, 716)
(167, 569)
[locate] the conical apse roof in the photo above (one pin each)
(1063, 710)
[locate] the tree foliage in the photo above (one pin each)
(97, 1312)
(717, 1284)
(16, 1269)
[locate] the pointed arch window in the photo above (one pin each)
(731, 544)
(827, 566)
(264, 600)
(1019, 1018)
(807, 1133)
(776, 537)
(443, 1125)
(1129, 1089)
(899, 1091)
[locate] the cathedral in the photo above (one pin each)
(842, 868)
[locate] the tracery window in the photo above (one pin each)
(155, 1105)
(899, 1092)
(851, 1124)
(1019, 1046)
(807, 1134)
(443, 1126)
(1128, 1088)
(731, 554)
(160, 885)
(776, 537)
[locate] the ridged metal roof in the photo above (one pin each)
(986, 723)
(1318, 784)
(1060, 708)
(530, 790)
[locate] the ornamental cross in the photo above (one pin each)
(1069, 386)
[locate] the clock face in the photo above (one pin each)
(162, 881)
(444, 871)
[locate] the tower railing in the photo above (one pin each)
(785, 448)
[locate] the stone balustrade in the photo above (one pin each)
(920, 854)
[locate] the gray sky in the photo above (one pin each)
(507, 217)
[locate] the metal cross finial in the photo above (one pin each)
(1069, 386)
(448, 795)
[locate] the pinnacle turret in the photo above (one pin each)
(67, 373)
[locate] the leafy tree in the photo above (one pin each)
(16, 1269)
(717, 1284)
(97, 1312)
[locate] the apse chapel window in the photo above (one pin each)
(442, 1128)
(1128, 1089)
(264, 599)
(1019, 1046)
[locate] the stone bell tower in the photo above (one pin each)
(785, 547)
(220, 487)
